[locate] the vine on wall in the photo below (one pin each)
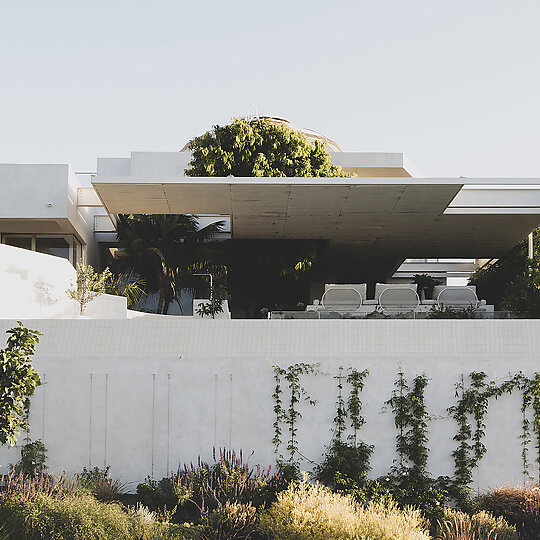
(409, 481)
(345, 465)
(290, 415)
(346, 462)
(471, 408)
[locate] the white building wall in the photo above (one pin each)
(140, 395)
(43, 199)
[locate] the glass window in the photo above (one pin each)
(17, 240)
(77, 252)
(57, 246)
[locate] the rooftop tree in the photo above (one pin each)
(513, 281)
(259, 148)
(264, 274)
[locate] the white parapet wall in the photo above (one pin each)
(142, 395)
(33, 286)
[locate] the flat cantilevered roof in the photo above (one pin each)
(388, 217)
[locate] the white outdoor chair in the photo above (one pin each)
(396, 300)
(342, 298)
(456, 297)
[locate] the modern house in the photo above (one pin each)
(160, 389)
(383, 225)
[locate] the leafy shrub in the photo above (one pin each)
(417, 490)
(519, 506)
(344, 465)
(229, 521)
(313, 512)
(449, 312)
(159, 495)
(100, 484)
(69, 517)
(480, 526)
(33, 457)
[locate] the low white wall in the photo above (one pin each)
(140, 395)
(33, 286)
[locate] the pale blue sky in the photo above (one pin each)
(453, 84)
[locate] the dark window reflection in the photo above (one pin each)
(53, 246)
(24, 242)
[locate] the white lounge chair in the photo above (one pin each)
(394, 299)
(456, 297)
(344, 298)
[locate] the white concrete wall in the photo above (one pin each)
(43, 199)
(142, 394)
(28, 190)
(174, 163)
(33, 285)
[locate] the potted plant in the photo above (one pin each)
(425, 285)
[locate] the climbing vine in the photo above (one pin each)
(356, 380)
(410, 419)
(408, 481)
(346, 462)
(469, 414)
(345, 465)
(530, 399)
(290, 415)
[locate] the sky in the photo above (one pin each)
(455, 85)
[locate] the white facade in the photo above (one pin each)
(142, 395)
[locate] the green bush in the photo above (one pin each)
(519, 506)
(313, 512)
(480, 526)
(449, 312)
(196, 490)
(229, 521)
(33, 458)
(52, 518)
(100, 484)
(344, 465)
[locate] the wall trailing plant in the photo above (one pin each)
(469, 413)
(345, 465)
(408, 480)
(289, 416)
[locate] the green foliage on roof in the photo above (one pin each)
(259, 148)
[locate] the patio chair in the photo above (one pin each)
(456, 297)
(394, 300)
(343, 298)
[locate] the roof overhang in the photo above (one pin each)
(394, 217)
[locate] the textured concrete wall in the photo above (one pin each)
(142, 394)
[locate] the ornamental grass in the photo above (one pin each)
(313, 512)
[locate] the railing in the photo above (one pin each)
(326, 315)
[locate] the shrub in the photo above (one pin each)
(519, 506)
(33, 457)
(100, 484)
(81, 516)
(480, 526)
(25, 487)
(229, 521)
(449, 312)
(195, 490)
(313, 512)
(344, 464)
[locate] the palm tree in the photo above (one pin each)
(164, 250)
